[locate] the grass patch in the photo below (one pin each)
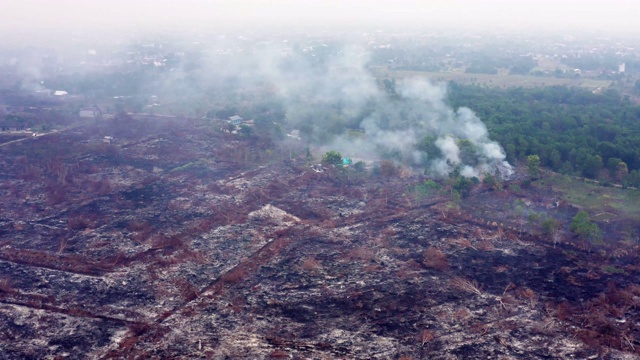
(603, 216)
(185, 166)
(423, 189)
(603, 203)
(502, 79)
(612, 270)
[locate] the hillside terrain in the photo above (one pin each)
(148, 237)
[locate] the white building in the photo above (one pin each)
(294, 134)
(89, 113)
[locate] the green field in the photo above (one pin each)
(502, 79)
(602, 203)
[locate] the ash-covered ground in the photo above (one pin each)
(174, 240)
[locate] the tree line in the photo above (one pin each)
(573, 130)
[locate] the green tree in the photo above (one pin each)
(551, 227)
(490, 181)
(390, 87)
(621, 171)
(332, 158)
(246, 131)
(533, 220)
(632, 179)
(424, 189)
(555, 159)
(533, 166)
(464, 185)
(612, 165)
(566, 127)
(585, 228)
(388, 169)
(360, 167)
(428, 145)
(223, 113)
(468, 153)
(593, 167)
(307, 155)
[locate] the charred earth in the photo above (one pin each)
(157, 238)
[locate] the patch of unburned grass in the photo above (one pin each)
(502, 80)
(603, 203)
(604, 216)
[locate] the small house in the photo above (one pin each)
(294, 134)
(235, 120)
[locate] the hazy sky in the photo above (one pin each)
(25, 15)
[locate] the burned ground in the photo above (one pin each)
(177, 241)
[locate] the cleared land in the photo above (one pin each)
(178, 241)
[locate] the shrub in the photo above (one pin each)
(279, 354)
(585, 228)
(434, 258)
(425, 336)
(387, 169)
(332, 158)
(234, 276)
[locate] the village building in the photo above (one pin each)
(90, 112)
(294, 134)
(235, 120)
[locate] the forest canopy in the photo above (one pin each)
(573, 130)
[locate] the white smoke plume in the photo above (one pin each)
(414, 125)
(324, 90)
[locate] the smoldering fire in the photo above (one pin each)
(340, 93)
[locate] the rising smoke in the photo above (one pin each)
(413, 124)
(326, 91)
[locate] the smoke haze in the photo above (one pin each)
(324, 90)
(19, 16)
(410, 122)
